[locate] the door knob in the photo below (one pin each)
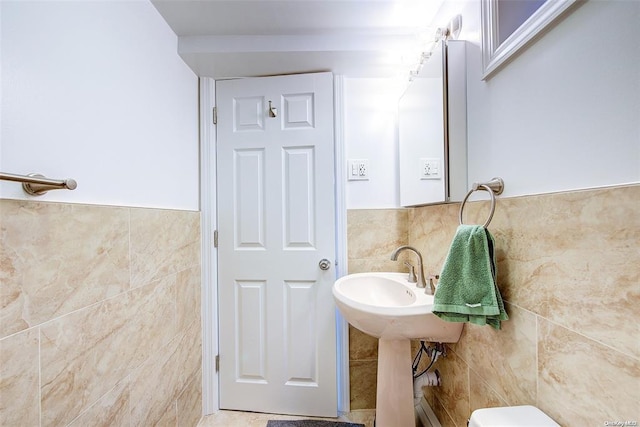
(324, 264)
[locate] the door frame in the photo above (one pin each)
(208, 206)
(209, 255)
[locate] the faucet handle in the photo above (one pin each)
(432, 278)
(412, 273)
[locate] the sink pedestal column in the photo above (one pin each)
(394, 394)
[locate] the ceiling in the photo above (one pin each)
(248, 38)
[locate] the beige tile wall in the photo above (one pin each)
(99, 315)
(569, 271)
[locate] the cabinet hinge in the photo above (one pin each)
(215, 238)
(217, 363)
(215, 115)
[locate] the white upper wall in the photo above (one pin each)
(95, 91)
(564, 114)
(371, 133)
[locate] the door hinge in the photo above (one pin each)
(215, 238)
(217, 363)
(215, 115)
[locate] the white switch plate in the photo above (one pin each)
(358, 169)
(430, 168)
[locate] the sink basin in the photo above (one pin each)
(389, 307)
(386, 305)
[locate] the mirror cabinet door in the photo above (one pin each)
(432, 129)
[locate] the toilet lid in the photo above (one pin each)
(511, 416)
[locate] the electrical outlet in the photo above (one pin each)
(363, 170)
(358, 170)
(429, 168)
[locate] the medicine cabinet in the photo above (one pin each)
(432, 129)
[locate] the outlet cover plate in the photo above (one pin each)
(430, 168)
(358, 169)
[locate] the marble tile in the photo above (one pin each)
(68, 268)
(573, 258)
(154, 389)
(443, 415)
(189, 402)
(583, 382)
(376, 264)
(157, 384)
(431, 231)
(363, 416)
(481, 395)
(238, 418)
(375, 233)
(361, 345)
(56, 258)
(86, 353)
(370, 244)
(453, 394)
(169, 418)
(577, 246)
(20, 380)
(429, 394)
(163, 242)
(189, 355)
(505, 359)
(188, 302)
(110, 410)
(363, 376)
(253, 419)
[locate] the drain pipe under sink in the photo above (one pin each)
(430, 379)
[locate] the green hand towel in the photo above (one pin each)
(467, 290)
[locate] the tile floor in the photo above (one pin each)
(253, 419)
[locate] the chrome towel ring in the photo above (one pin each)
(495, 186)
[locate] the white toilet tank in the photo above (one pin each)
(511, 416)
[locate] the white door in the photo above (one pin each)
(276, 222)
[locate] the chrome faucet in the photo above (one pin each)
(421, 283)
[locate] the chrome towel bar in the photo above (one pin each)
(37, 185)
(494, 187)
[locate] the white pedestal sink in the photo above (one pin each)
(388, 307)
